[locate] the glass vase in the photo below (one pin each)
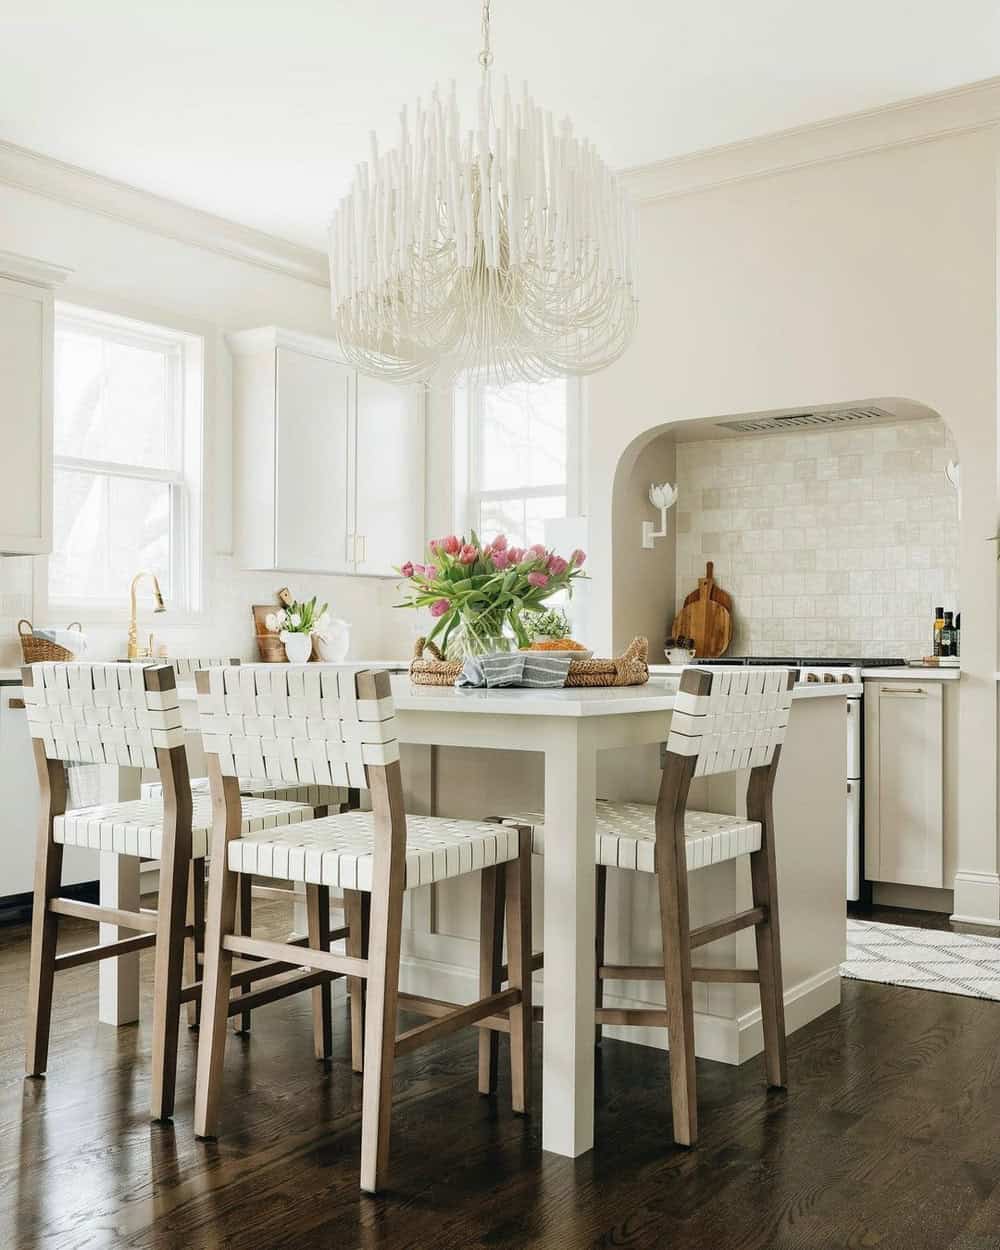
(480, 634)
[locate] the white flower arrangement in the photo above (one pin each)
(299, 618)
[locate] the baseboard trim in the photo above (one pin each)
(722, 1038)
(977, 898)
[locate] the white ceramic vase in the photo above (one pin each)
(298, 647)
(333, 643)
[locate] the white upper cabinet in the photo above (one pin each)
(329, 466)
(26, 336)
(314, 401)
(390, 475)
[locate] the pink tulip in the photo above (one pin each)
(500, 542)
(430, 572)
(451, 545)
(515, 554)
(557, 566)
(408, 569)
(433, 544)
(577, 558)
(500, 559)
(439, 607)
(538, 549)
(468, 554)
(538, 579)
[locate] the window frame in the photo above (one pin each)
(186, 599)
(470, 496)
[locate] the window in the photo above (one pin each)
(522, 452)
(127, 460)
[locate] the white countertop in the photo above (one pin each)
(912, 672)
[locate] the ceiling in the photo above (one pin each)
(257, 111)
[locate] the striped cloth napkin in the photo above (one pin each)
(532, 669)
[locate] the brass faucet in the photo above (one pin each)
(135, 652)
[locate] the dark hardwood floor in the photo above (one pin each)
(887, 1138)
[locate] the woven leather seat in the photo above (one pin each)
(338, 850)
(136, 827)
(626, 836)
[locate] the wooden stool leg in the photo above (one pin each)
(675, 925)
(221, 923)
(772, 996)
(194, 946)
(318, 914)
(381, 1000)
(44, 923)
(357, 909)
(518, 892)
(491, 907)
(241, 1023)
(168, 974)
(600, 928)
(44, 932)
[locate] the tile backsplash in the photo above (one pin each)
(15, 605)
(831, 543)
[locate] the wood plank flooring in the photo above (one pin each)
(886, 1138)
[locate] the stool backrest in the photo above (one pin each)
(103, 713)
(325, 724)
(186, 666)
(730, 718)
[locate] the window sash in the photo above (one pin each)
(475, 495)
(107, 329)
(178, 531)
(184, 351)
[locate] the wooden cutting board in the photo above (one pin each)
(706, 616)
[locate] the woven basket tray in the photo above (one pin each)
(628, 669)
(39, 650)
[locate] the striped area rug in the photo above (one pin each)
(923, 959)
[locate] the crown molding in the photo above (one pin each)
(917, 120)
(28, 269)
(69, 184)
(268, 338)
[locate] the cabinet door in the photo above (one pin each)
(390, 479)
(314, 409)
(904, 783)
(26, 416)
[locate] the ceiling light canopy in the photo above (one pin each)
(505, 251)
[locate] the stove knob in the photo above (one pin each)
(812, 677)
(829, 677)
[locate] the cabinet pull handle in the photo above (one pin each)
(363, 540)
(902, 694)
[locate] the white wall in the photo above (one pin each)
(834, 281)
(128, 270)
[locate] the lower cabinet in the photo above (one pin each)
(904, 782)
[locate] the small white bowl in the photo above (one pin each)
(679, 655)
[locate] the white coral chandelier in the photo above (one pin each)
(506, 251)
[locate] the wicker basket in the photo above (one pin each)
(628, 669)
(36, 650)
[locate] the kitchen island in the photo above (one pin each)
(476, 753)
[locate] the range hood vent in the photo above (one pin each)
(806, 420)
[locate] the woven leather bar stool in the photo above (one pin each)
(126, 715)
(333, 724)
(724, 720)
(321, 799)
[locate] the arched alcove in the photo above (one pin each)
(834, 527)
